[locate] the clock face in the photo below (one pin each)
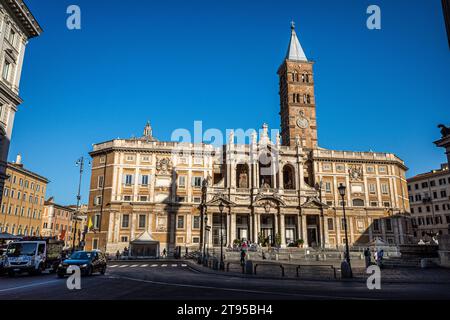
(302, 123)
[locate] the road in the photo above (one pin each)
(177, 281)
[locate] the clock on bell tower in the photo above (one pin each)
(297, 102)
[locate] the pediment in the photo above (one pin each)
(314, 202)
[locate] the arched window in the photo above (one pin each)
(358, 203)
(307, 78)
(303, 77)
(288, 177)
(308, 98)
(265, 170)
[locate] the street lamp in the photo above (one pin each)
(221, 206)
(346, 267)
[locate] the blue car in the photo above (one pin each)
(88, 261)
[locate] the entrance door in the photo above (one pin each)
(312, 236)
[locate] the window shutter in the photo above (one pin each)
(124, 179)
(132, 179)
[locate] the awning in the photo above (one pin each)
(144, 238)
(8, 236)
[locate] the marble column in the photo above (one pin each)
(304, 230)
(282, 230)
(232, 228)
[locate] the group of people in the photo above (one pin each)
(124, 253)
(377, 255)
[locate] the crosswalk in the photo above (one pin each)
(155, 265)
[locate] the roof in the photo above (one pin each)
(144, 238)
(295, 51)
(431, 174)
(23, 16)
(21, 169)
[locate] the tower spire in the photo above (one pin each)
(295, 51)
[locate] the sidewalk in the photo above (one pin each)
(397, 275)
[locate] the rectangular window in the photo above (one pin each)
(376, 225)
(6, 70)
(97, 221)
(328, 187)
(386, 204)
(145, 158)
(126, 198)
(197, 200)
(432, 183)
(98, 200)
(12, 36)
(144, 180)
(388, 225)
(372, 188)
(126, 221)
(196, 222)
(370, 169)
(330, 224)
(343, 224)
(181, 199)
(182, 182)
(128, 179)
(197, 182)
(443, 193)
(180, 222)
(95, 244)
(100, 182)
(424, 184)
(123, 239)
(195, 240)
(142, 218)
(143, 198)
(374, 204)
(382, 169)
(102, 159)
(384, 188)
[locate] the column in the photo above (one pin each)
(304, 230)
(210, 223)
(369, 220)
(256, 225)
(233, 234)
(282, 231)
(299, 234)
(338, 230)
(350, 230)
(251, 227)
(400, 231)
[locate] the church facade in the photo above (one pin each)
(270, 191)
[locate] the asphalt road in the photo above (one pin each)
(177, 281)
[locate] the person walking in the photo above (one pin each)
(380, 258)
(117, 255)
(367, 257)
(164, 253)
(243, 254)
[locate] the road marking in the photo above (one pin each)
(113, 266)
(243, 290)
(174, 265)
(184, 265)
(29, 285)
(164, 265)
(144, 265)
(123, 266)
(154, 265)
(134, 266)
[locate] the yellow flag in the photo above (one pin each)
(90, 224)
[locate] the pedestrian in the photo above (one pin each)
(367, 257)
(380, 258)
(164, 253)
(117, 254)
(243, 254)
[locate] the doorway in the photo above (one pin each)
(312, 236)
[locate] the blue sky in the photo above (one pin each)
(174, 62)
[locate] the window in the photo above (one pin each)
(374, 204)
(424, 184)
(18, 195)
(436, 207)
(128, 179)
(342, 223)
(372, 188)
(196, 222)
(145, 158)
(328, 187)
(180, 222)
(197, 182)
(435, 195)
(428, 208)
(370, 169)
(125, 221)
(376, 225)
(96, 221)
(100, 181)
(340, 167)
(197, 200)
(126, 198)
(384, 188)
(182, 182)
(195, 240)
(382, 169)
(143, 198)
(142, 220)
(181, 199)
(6, 70)
(12, 193)
(12, 36)
(443, 193)
(386, 204)
(6, 192)
(358, 203)
(123, 239)
(97, 200)
(102, 159)
(95, 244)
(360, 224)
(388, 225)
(330, 224)
(420, 209)
(416, 186)
(144, 180)
(129, 158)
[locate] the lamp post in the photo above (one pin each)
(221, 206)
(319, 187)
(80, 163)
(202, 225)
(346, 267)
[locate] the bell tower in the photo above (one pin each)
(297, 101)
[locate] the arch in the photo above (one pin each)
(358, 202)
(242, 175)
(288, 177)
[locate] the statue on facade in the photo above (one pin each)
(243, 180)
(445, 131)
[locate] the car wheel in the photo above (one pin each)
(11, 273)
(103, 271)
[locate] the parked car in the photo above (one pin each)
(88, 261)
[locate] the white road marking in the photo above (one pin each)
(164, 265)
(123, 266)
(134, 266)
(154, 265)
(174, 265)
(29, 285)
(184, 265)
(113, 266)
(144, 265)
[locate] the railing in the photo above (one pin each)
(316, 265)
(269, 264)
(357, 155)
